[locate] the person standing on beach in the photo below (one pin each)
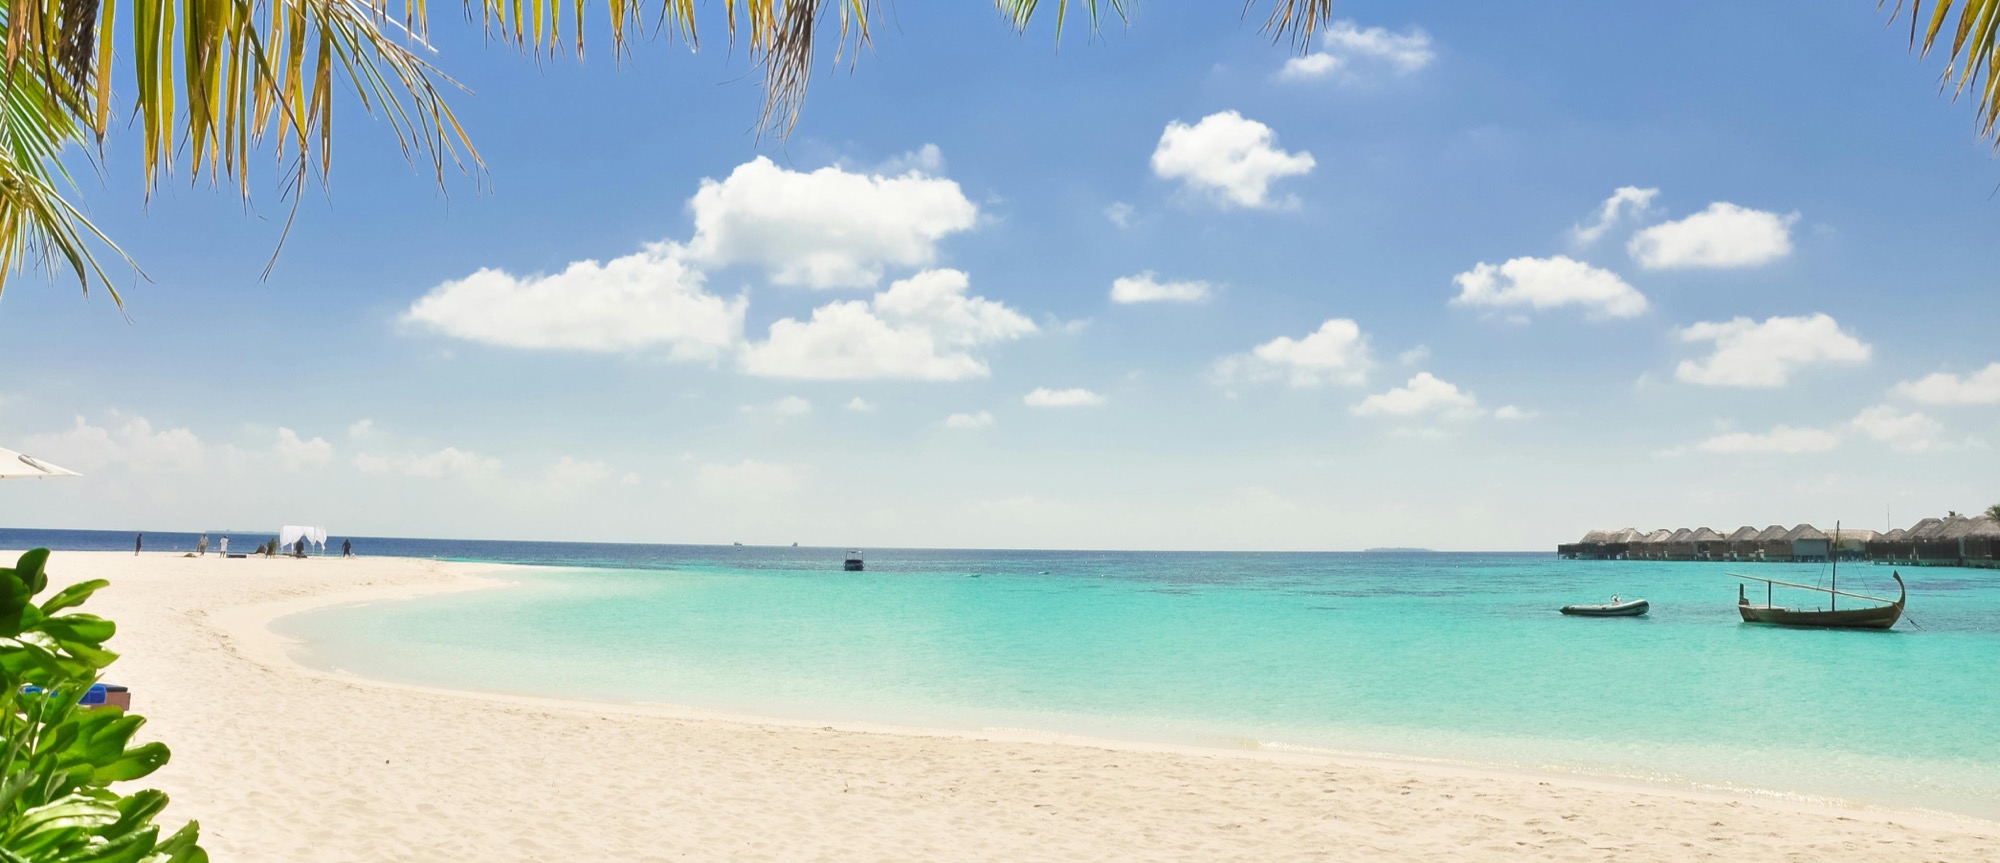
(138, 542)
(224, 548)
(201, 546)
(299, 548)
(346, 548)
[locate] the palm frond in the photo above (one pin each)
(1974, 51)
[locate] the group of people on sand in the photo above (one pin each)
(269, 549)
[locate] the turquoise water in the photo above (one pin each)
(1449, 656)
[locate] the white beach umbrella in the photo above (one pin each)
(14, 465)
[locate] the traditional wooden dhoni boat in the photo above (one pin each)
(1830, 617)
(1614, 608)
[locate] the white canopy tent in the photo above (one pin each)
(292, 533)
(14, 465)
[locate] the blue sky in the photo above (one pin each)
(957, 207)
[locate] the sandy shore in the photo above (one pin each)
(280, 763)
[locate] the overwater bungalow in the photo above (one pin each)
(1892, 547)
(1929, 542)
(1651, 546)
(1710, 545)
(1620, 545)
(1742, 544)
(1773, 545)
(1851, 543)
(1680, 546)
(1810, 544)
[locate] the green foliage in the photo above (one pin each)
(1993, 511)
(57, 760)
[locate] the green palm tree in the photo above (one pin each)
(214, 81)
(1993, 512)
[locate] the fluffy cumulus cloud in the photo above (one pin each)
(924, 327)
(1547, 283)
(1943, 388)
(298, 454)
(1120, 213)
(1148, 287)
(1044, 397)
(130, 442)
(1514, 412)
(1228, 158)
(1336, 353)
(978, 420)
(651, 299)
(1782, 439)
(1766, 353)
(447, 463)
(1423, 395)
(860, 405)
(1904, 431)
(1724, 235)
(829, 228)
(1344, 50)
(1628, 202)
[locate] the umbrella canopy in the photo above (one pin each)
(14, 465)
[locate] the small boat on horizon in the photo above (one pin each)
(853, 562)
(1614, 608)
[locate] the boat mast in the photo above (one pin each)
(1833, 551)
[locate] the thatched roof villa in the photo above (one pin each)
(1810, 544)
(1742, 544)
(1772, 544)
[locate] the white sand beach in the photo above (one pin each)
(281, 763)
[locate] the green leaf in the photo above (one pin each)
(73, 595)
(135, 763)
(32, 569)
(88, 629)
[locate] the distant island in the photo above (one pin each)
(1394, 550)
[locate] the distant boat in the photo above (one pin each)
(853, 562)
(1831, 617)
(795, 545)
(737, 544)
(1615, 608)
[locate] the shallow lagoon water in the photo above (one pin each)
(1455, 656)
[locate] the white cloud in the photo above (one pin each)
(927, 159)
(978, 420)
(1752, 354)
(1343, 47)
(1227, 157)
(134, 444)
(1546, 283)
(748, 480)
(1414, 355)
(829, 228)
(921, 328)
(1724, 235)
(1943, 388)
(447, 463)
(630, 478)
(1782, 439)
(1120, 214)
(361, 429)
(1146, 287)
(1626, 202)
(643, 300)
(1043, 397)
(791, 406)
(1335, 353)
(296, 454)
(1514, 412)
(859, 405)
(1424, 394)
(1904, 432)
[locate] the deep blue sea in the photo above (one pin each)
(1453, 656)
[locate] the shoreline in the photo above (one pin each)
(250, 626)
(286, 763)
